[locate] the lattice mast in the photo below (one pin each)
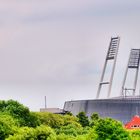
(133, 63)
(111, 55)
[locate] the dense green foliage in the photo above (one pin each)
(38, 133)
(135, 134)
(94, 119)
(19, 112)
(6, 121)
(83, 119)
(18, 123)
(110, 129)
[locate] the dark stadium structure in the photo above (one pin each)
(121, 108)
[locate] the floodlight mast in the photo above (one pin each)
(111, 55)
(133, 63)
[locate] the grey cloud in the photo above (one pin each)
(32, 12)
(63, 58)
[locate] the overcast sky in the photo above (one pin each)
(57, 48)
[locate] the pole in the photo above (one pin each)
(45, 103)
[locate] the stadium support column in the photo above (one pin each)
(133, 63)
(111, 55)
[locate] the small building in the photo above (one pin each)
(134, 123)
(53, 110)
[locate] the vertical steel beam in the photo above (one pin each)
(102, 77)
(113, 70)
(136, 76)
(111, 55)
(133, 63)
(124, 80)
(135, 82)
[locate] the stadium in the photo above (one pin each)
(121, 108)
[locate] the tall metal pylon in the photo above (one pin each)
(133, 63)
(111, 55)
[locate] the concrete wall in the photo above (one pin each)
(120, 109)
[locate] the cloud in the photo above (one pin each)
(44, 11)
(58, 48)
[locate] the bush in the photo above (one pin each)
(94, 119)
(91, 135)
(70, 120)
(33, 120)
(109, 129)
(49, 119)
(65, 137)
(134, 134)
(70, 129)
(81, 136)
(7, 124)
(19, 112)
(83, 119)
(38, 133)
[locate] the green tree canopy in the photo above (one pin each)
(83, 119)
(38, 133)
(94, 116)
(94, 119)
(19, 112)
(7, 124)
(109, 129)
(70, 129)
(50, 119)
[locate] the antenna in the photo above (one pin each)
(45, 102)
(133, 63)
(111, 55)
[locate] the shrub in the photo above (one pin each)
(70, 120)
(70, 129)
(7, 124)
(19, 112)
(83, 119)
(134, 134)
(49, 119)
(109, 129)
(38, 133)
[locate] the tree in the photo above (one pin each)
(109, 129)
(83, 119)
(7, 124)
(19, 112)
(94, 116)
(70, 120)
(65, 137)
(38, 133)
(50, 119)
(94, 119)
(91, 135)
(135, 134)
(71, 129)
(69, 113)
(33, 120)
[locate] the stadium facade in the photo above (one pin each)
(121, 108)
